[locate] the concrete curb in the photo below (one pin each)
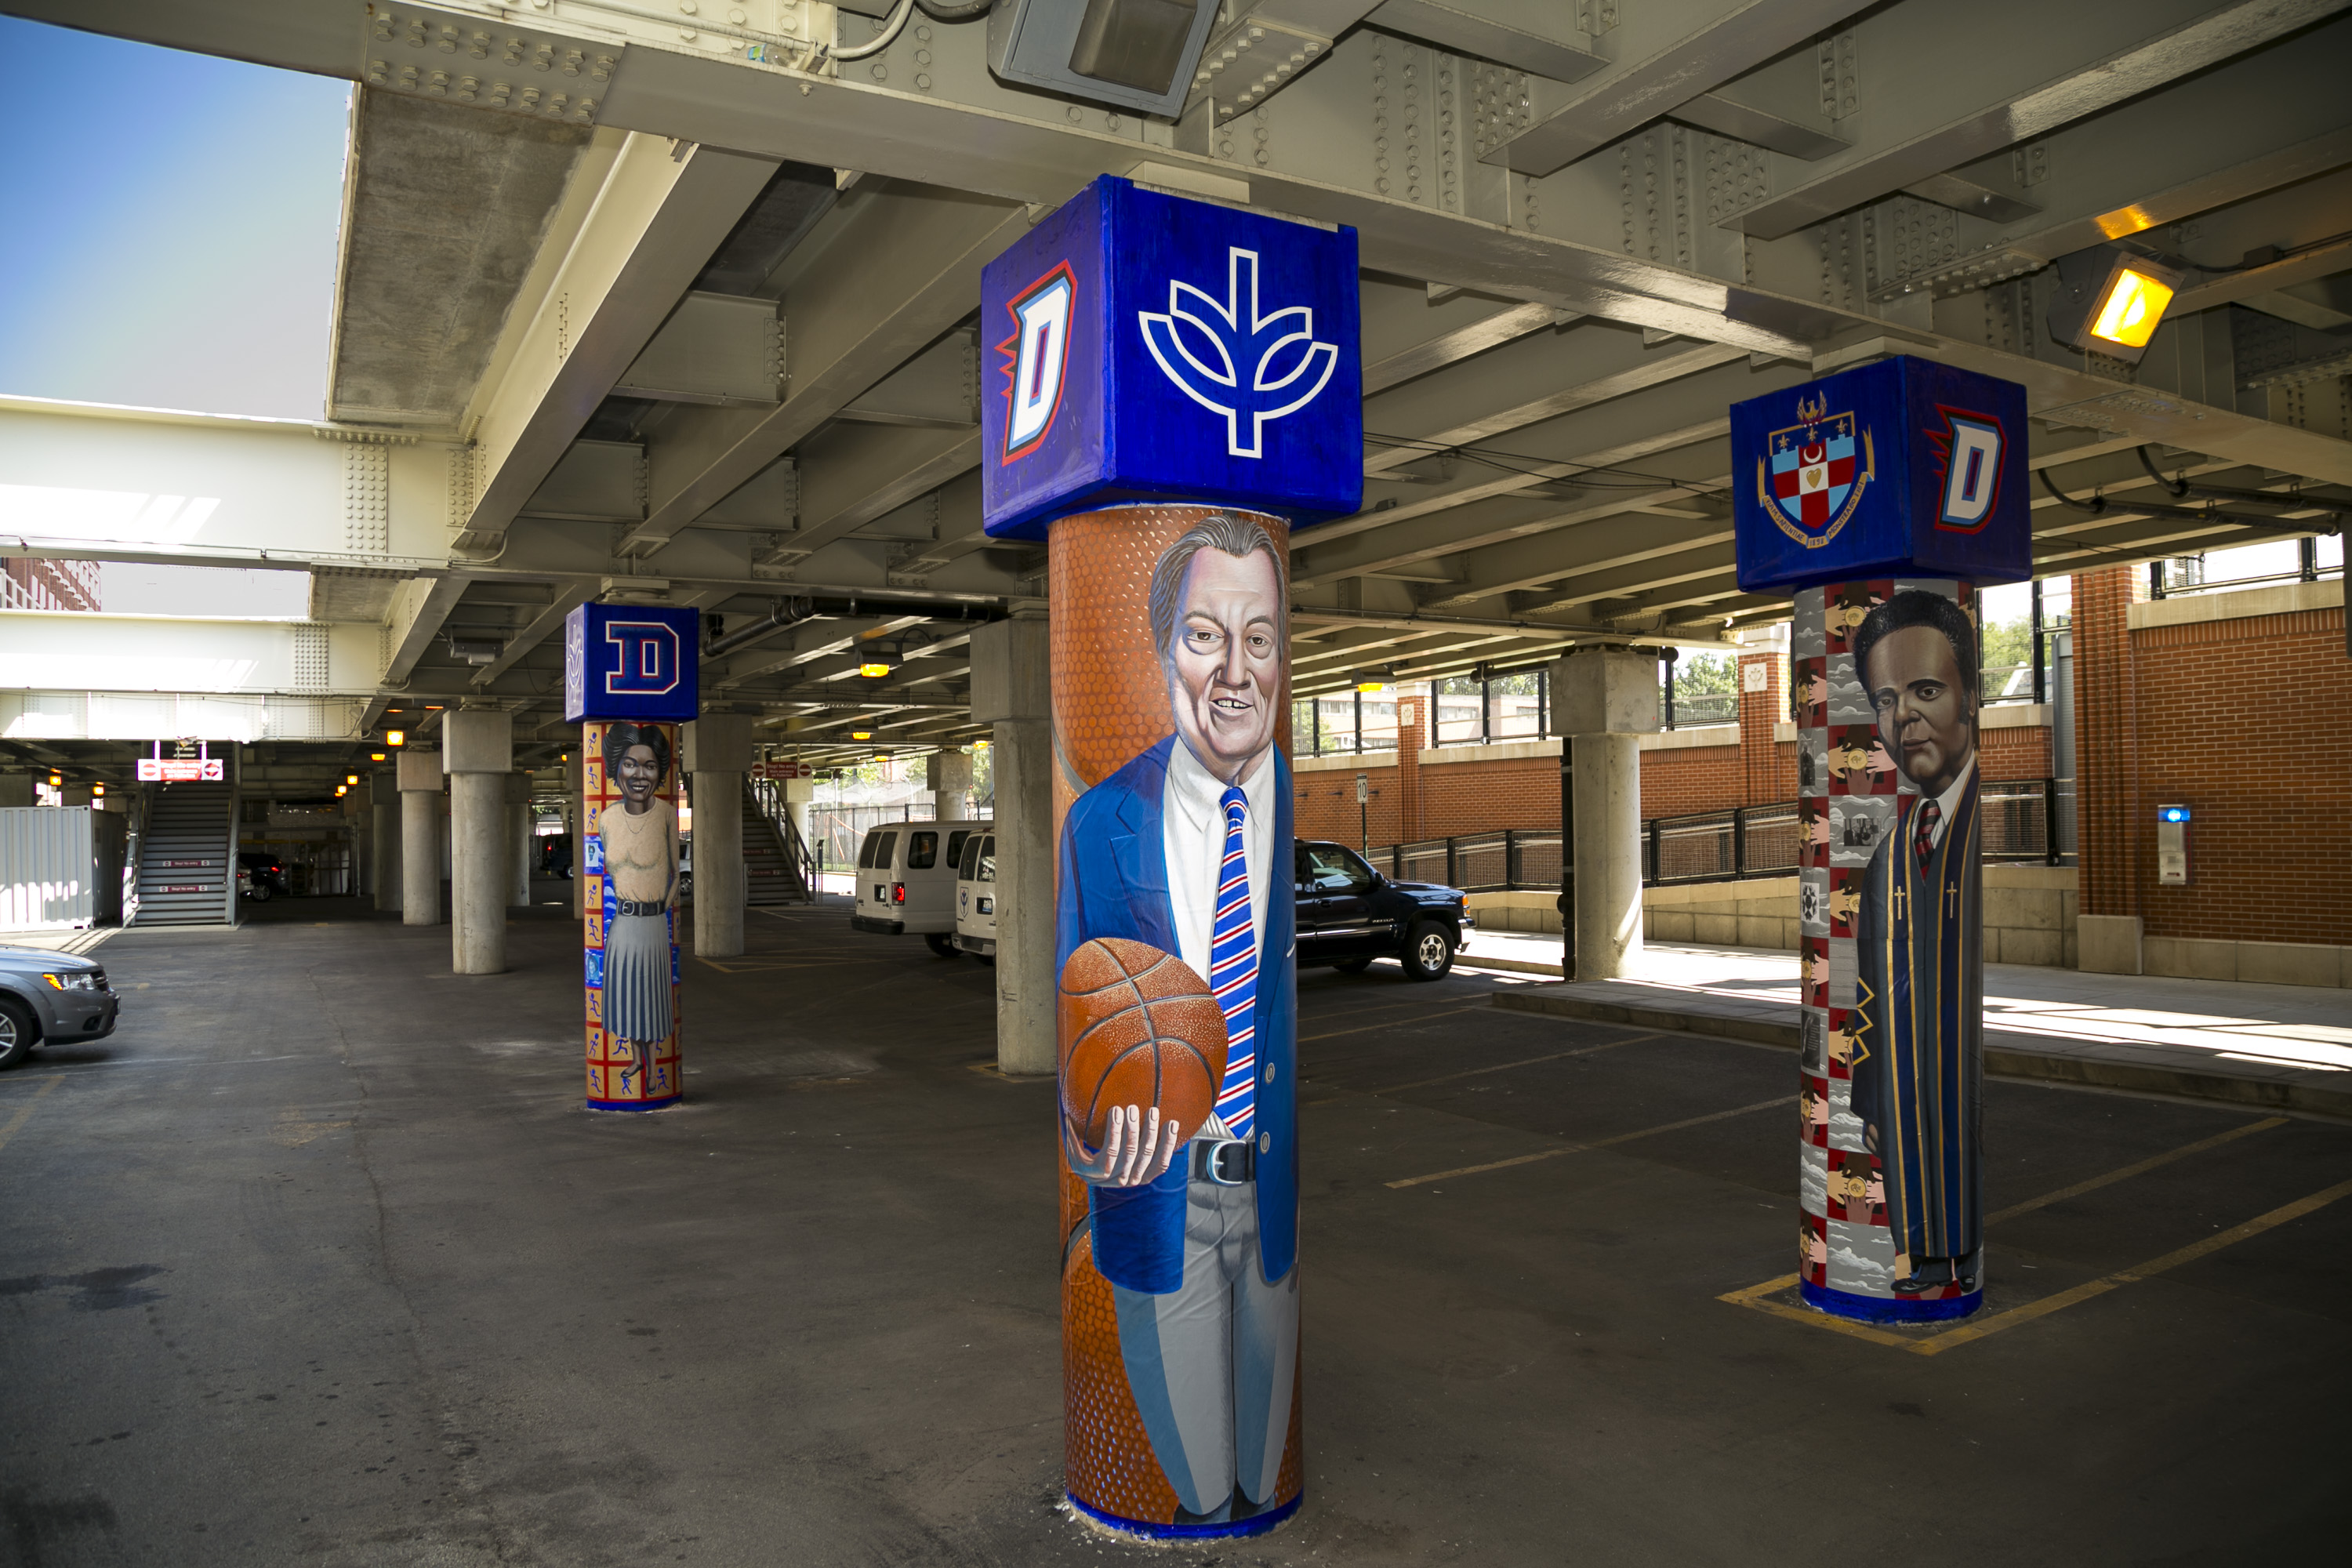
(1999, 1060)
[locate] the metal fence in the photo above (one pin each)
(2023, 820)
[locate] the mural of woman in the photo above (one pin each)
(640, 843)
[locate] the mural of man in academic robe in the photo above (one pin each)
(1917, 1056)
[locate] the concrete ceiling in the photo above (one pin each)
(447, 206)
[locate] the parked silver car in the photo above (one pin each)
(47, 998)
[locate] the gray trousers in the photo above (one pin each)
(1212, 1364)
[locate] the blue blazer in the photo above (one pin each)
(1114, 882)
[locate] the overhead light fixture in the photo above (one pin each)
(1372, 688)
(874, 671)
(2110, 300)
(376, 756)
(395, 737)
(98, 789)
(57, 781)
(340, 790)
(1140, 55)
(351, 778)
(861, 734)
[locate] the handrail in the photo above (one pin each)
(1734, 844)
(767, 798)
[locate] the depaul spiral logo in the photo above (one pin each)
(1813, 473)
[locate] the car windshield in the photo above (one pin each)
(1328, 869)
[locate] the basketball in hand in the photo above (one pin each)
(1137, 1027)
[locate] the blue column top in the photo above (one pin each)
(1145, 347)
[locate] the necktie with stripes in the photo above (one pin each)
(1232, 974)
(1924, 841)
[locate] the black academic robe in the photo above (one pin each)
(1918, 1066)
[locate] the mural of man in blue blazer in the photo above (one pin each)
(1187, 848)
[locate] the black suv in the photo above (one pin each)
(1348, 915)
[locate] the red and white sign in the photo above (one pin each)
(182, 769)
(190, 887)
(784, 770)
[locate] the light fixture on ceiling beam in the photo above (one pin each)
(2110, 300)
(395, 737)
(874, 670)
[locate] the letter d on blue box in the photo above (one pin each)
(1905, 468)
(1143, 347)
(631, 661)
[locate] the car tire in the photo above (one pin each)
(941, 944)
(1352, 966)
(1428, 951)
(17, 1032)
(261, 894)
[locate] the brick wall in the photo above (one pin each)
(2106, 740)
(1481, 797)
(1323, 806)
(2243, 721)
(1692, 778)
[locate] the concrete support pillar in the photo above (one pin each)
(478, 755)
(1010, 687)
(420, 838)
(948, 773)
(1603, 699)
(718, 753)
(384, 876)
(520, 842)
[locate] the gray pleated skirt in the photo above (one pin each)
(637, 977)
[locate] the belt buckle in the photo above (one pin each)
(1213, 1160)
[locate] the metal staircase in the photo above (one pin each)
(776, 865)
(188, 857)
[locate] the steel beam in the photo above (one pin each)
(853, 474)
(656, 218)
(1659, 57)
(889, 271)
(1612, 537)
(1980, 99)
(538, 629)
(1438, 414)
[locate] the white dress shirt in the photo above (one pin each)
(1193, 827)
(1949, 802)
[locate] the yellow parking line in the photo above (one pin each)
(1754, 1295)
(1968, 1332)
(2150, 1164)
(1359, 1028)
(1506, 1067)
(30, 1100)
(1598, 1142)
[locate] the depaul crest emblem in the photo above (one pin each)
(1813, 474)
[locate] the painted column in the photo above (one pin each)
(1168, 512)
(629, 678)
(575, 775)
(420, 838)
(1011, 689)
(718, 753)
(1881, 496)
(478, 754)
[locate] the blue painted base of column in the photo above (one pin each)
(1256, 1525)
(1885, 1309)
(633, 1104)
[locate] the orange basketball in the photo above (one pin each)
(1140, 1029)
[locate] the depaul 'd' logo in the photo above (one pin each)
(1252, 373)
(1970, 447)
(1039, 350)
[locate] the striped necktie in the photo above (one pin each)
(1923, 839)
(1233, 975)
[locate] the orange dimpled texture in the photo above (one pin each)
(1141, 1029)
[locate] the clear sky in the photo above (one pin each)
(167, 225)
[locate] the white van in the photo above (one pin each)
(906, 881)
(975, 929)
